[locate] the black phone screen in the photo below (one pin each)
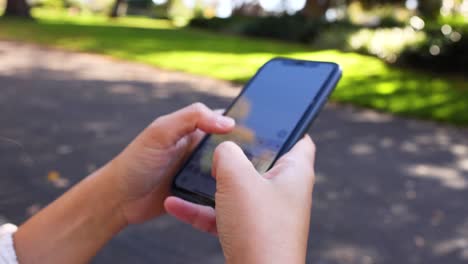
(266, 114)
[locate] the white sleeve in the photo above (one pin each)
(7, 249)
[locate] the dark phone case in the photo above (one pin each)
(298, 132)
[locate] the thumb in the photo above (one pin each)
(231, 168)
(167, 130)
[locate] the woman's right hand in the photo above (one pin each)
(259, 218)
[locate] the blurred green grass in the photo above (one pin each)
(367, 81)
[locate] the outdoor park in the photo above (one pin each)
(80, 79)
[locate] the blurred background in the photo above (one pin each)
(80, 78)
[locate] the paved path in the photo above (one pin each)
(389, 190)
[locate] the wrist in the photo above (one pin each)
(113, 195)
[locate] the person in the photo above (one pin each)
(258, 218)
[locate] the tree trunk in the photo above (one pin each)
(18, 8)
(115, 12)
(430, 8)
(316, 8)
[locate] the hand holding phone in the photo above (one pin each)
(259, 218)
(143, 171)
(272, 113)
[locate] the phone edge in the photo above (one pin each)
(311, 114)
(298, 133)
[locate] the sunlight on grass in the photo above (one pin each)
(59, 16)
(232, 67)
(367, 81)
(385, 88)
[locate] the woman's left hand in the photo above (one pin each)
(144, 170)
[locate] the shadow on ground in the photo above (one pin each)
(388, 190)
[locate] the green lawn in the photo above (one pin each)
(366, 81)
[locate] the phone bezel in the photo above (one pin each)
(298, 132)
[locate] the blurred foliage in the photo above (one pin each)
(53, 4)
(367, 81)
(73, 6)
(385, 15)
(441, 52)
(179, 13)
(160, 11)
(296, 28)
(386, 43)
(389, 31)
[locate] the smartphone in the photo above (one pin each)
(272, 112)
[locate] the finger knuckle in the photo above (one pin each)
(156, 122)
(154, 127)
(198, 108)
(155, 131)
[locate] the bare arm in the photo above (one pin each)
(130, 189)
(74, 227)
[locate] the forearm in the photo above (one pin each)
(73, 228)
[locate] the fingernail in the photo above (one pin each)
(225, 121)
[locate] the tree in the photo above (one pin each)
(119, 5)
(316, 8)
(18, 8)
(430, 8)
